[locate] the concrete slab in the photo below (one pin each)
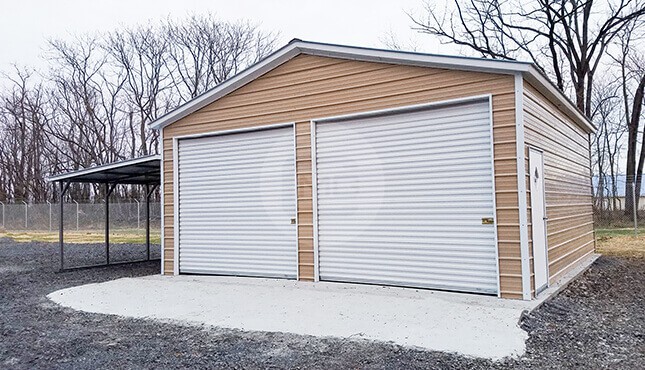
(471, 325)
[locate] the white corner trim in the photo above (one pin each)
(161, 201)
(521, 186)
(175, 205)
(492, 164)
(314, 197)
(297, 215)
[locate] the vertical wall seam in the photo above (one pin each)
(162, 202)
(175, 206)
(521, 186)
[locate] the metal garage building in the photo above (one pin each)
(337, 163)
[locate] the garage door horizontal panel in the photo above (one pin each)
(414, 257)
(235, 232)
(438, 282)
(249, 161)
(452, 125)
(448, 205)
(411, 161)
(236, 200)
(227, 149)
(377, 174)
(454, 256)
(234, 183)
(412, 242)
(253, 139)
(370, 226)
(238, 258)
(466, 212)
(413, 275)
(226, 190)
(242, 172)
(386, 220)
(366, 146)
(401, 199)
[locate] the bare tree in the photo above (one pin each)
(205, 51)
(93, 104)
(141, 54)
(24, 157)
(566, 39)
(606, 145)
(629, 61)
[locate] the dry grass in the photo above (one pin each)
(133, 236)
(621, 242)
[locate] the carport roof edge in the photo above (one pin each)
(297, 46)
(136, 171)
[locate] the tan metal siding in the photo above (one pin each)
(567, 181)
(309, 87)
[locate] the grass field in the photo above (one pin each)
(133, 236)
(621, 242)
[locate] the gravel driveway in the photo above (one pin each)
(598, 322)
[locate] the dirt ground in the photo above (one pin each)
(597, 322)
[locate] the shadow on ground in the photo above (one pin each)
(598, 321)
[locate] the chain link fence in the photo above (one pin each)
(78, 216)
(623, 209)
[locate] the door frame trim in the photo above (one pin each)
(175, 183)
(546, 241)
(392, 111)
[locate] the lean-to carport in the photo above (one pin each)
(143, 171)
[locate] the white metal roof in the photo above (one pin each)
(142, 170)
(296, 47)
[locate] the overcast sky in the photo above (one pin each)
(25, 25)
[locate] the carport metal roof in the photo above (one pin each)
(137, 171)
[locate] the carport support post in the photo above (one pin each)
(63, 188)
(108, 190)
(148, 222)
(149, 192)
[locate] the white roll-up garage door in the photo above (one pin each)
(236, 200)
(401, 199)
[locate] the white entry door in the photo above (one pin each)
(538, 220)
(407, 199)
(237, 199)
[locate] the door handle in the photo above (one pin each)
(545, 218)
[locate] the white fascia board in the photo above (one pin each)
(100, 168)
(413, 59)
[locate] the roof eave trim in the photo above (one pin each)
(87, 171)
(545, 86)
(414, 59)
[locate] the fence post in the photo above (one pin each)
(2, 214)
(76, 215)
(635, 211)
(50, 215)
(25, 203)
(138, 213)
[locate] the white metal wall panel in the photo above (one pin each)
(401, 199)
(237, 196)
